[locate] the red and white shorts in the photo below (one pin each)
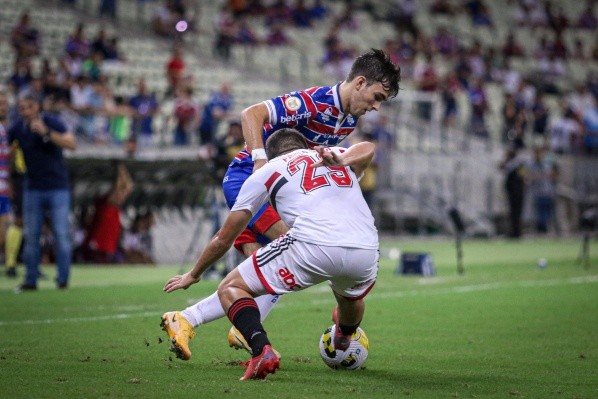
(287, 265)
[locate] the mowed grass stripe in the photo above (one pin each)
(374, 296)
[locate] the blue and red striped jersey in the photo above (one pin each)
(317, 113)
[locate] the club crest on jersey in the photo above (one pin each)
(292, 103)
(327, 114)
(350, 120)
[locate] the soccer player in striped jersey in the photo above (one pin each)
(325, 116)
(306, 186)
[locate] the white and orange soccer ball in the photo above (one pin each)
(351, 359)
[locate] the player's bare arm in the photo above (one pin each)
(253, 119)
(358, 156)
(123, 186)
(216, 248)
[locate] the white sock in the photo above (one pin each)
(265, 303)
(204, 311)
(210, 309)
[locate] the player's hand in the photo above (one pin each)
(327, 157)
(258, 163)
(180, 281)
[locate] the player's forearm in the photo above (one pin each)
(359, 155)
(222, 241)
(213, 252)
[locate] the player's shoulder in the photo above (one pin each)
(319, 91)
(265, 171)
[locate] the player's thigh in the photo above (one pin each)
(285, 265)
(232, 287)
(358, 274)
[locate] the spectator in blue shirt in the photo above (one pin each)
(144, 106)
(216, 110)
(42, 138)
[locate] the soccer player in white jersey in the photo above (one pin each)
(325, 116)
(306, 187)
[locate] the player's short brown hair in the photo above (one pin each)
(284, 140)
(376, 66)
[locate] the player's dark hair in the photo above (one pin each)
(376, 66)
(284, 140)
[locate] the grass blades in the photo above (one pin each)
(504, 329)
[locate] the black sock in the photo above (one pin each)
(348, 330)
(245, 316)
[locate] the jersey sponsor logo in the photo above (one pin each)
(288, 278)
(325, 138)
(292, 103)
(295, 118)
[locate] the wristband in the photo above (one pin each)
(46, 137)
(258, 153)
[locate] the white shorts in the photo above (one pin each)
(287, 265)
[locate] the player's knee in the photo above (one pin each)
(231, 288)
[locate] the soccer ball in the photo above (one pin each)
(351, 359)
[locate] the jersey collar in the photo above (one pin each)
(337, 97)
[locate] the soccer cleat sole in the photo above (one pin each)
(177, 350)
(174, 345)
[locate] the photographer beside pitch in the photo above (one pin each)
(306, 187)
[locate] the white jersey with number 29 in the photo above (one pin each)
(321, 205)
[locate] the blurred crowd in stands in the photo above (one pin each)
(74, 84)
(468, 66)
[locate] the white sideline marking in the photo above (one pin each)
(77, 319)
(392, 294)
(492, 286)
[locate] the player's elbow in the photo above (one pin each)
(247, 112)
(256, 112)
(368, 150)
(369, 147)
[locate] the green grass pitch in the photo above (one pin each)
(504, 329)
